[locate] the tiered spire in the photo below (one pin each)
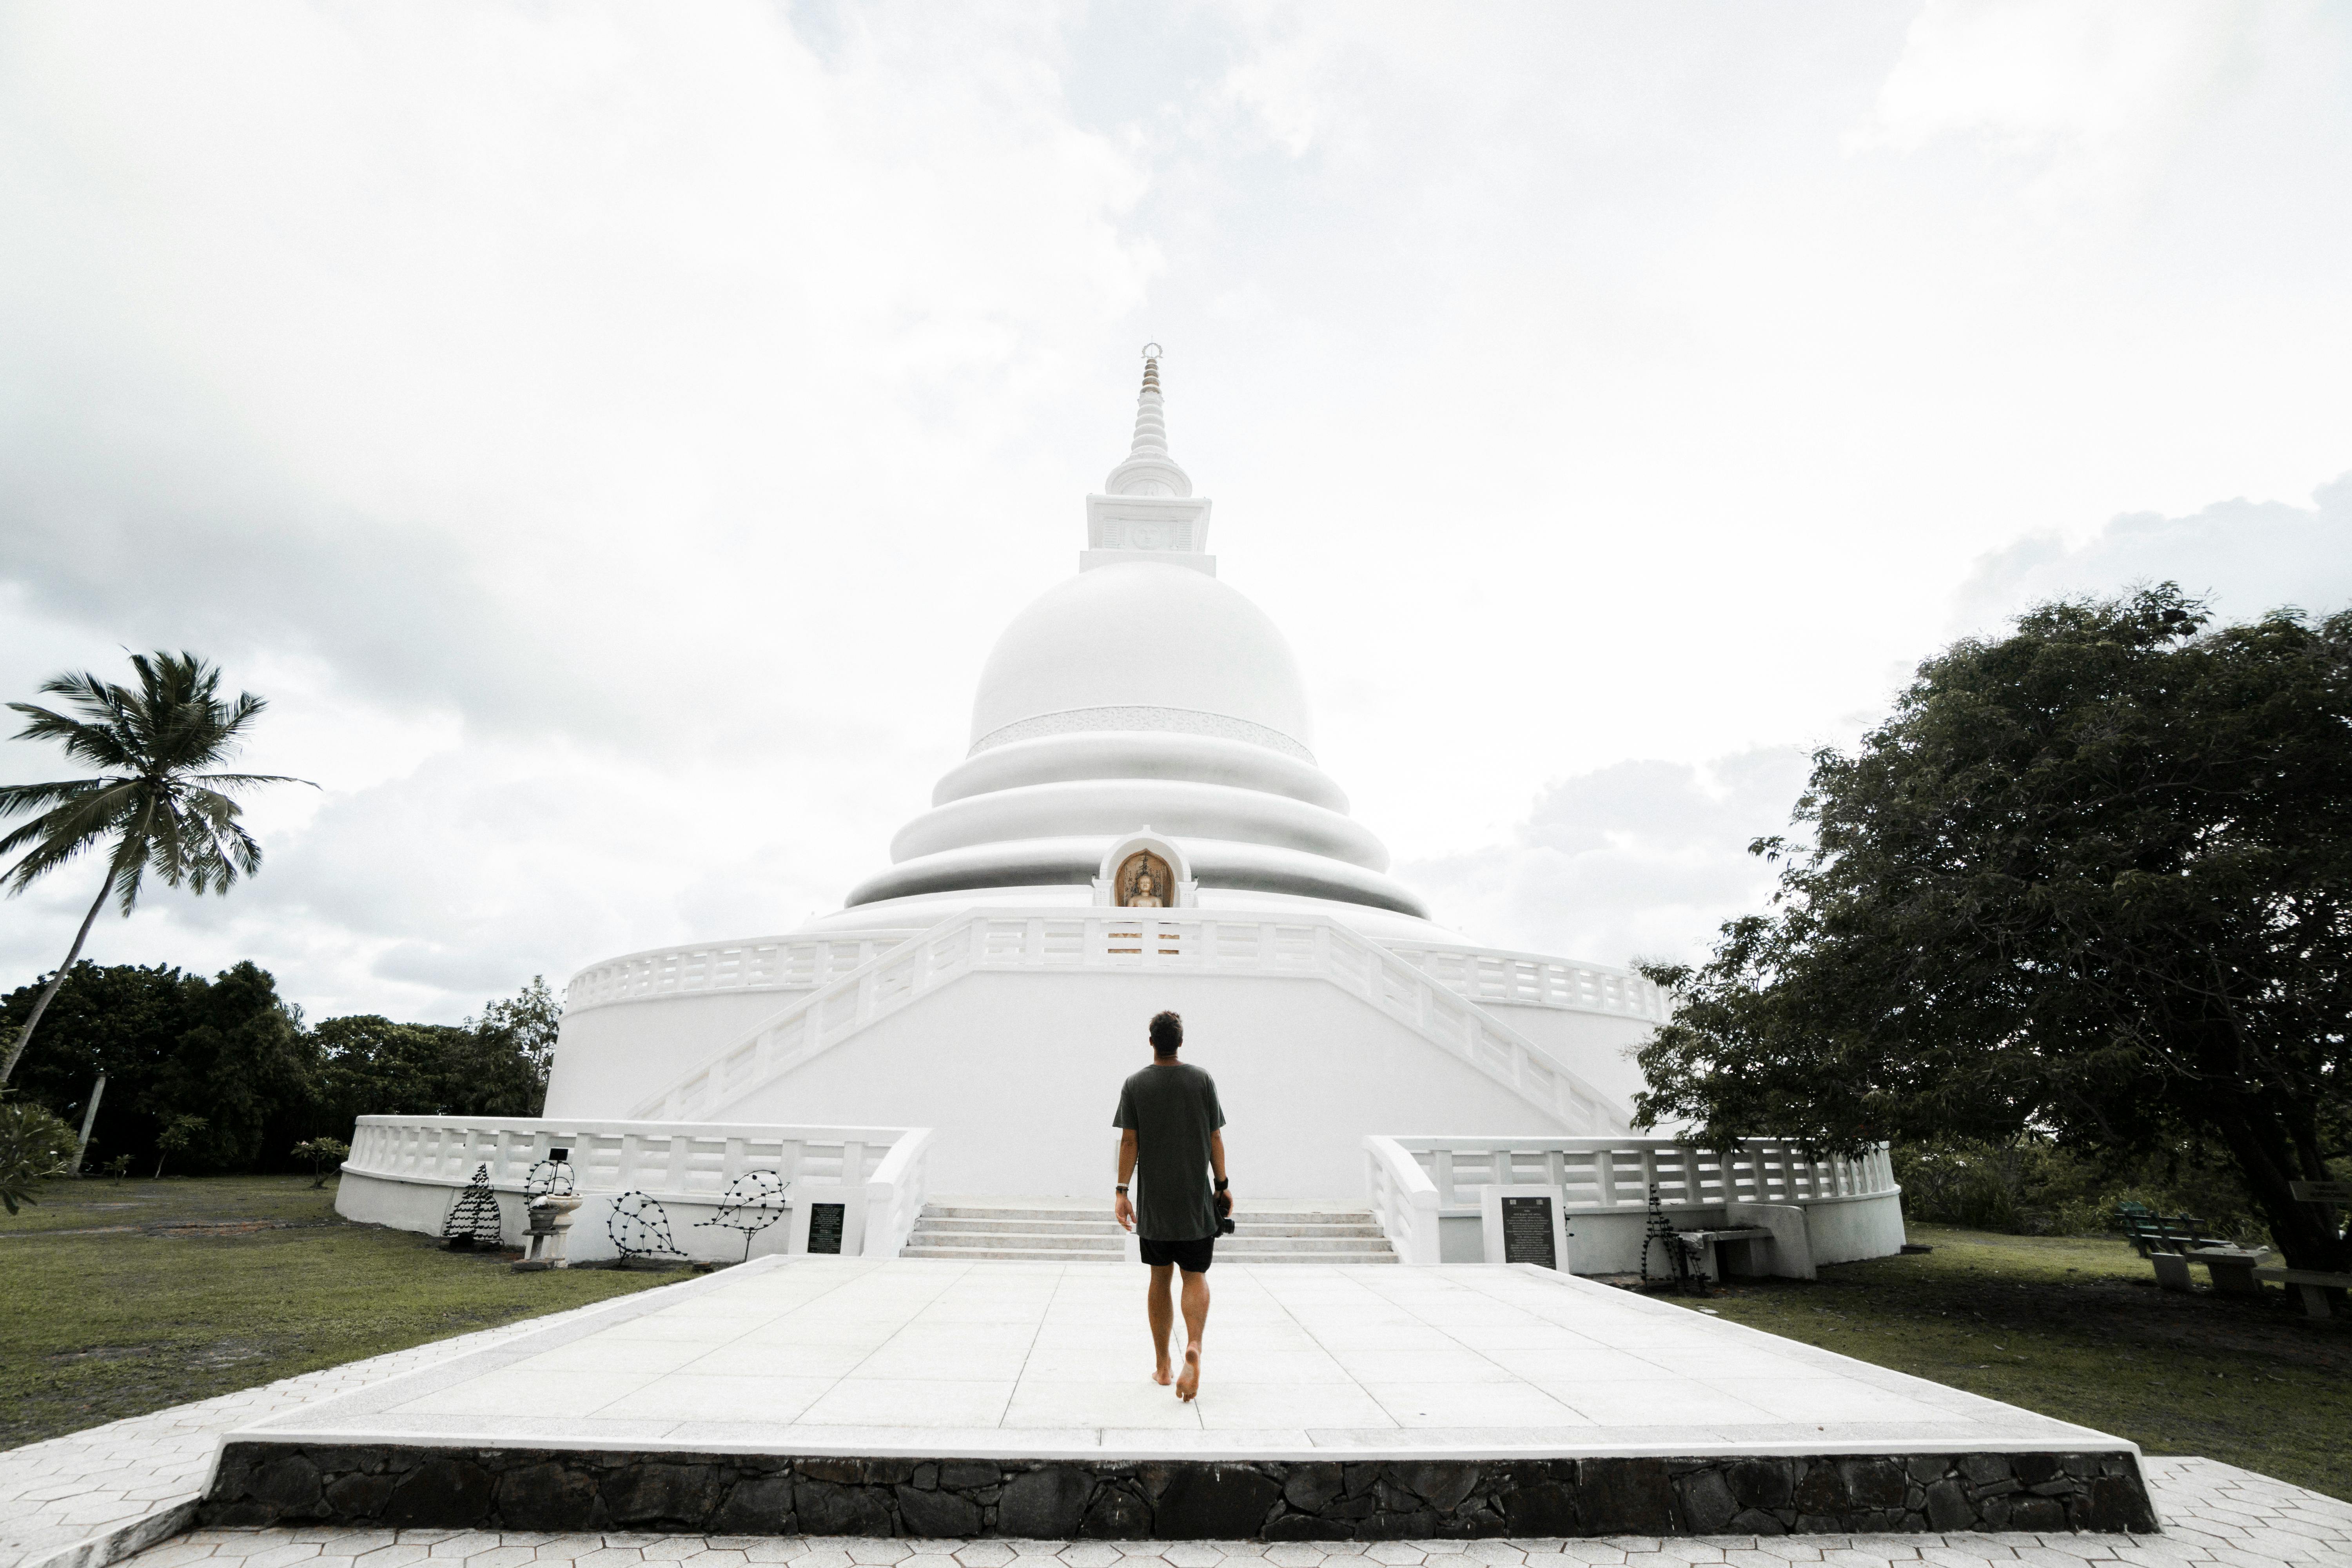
(1149, 470)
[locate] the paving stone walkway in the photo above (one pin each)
(2213, 1513)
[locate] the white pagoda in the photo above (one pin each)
(1139, 824)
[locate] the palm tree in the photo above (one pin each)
(154, 802)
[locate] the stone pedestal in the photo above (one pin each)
(550, 1234)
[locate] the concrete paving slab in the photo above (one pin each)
(980, 1358)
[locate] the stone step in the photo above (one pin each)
(1336, 1244)
(1019, 1255)
(1076, 1233)
(1093, 1212)
(1022, 1255)
(926, 1237)
(1098, 1225)
(1039, 1241)
(934, 1225)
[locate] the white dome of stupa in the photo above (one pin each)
(1141, 696)
(1142, 644)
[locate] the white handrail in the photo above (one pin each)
(1604, 1175)
(752, 964)
(1404, 1200)
(1531, 979)
(895, 1194)
(1309, 947)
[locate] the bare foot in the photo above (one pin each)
(1160, 1375)
(1190, 1384)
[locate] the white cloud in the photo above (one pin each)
(2245, 558)
(2093, 93)
(1636, 861)
(613, 434)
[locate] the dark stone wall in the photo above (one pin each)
(1174, 1500)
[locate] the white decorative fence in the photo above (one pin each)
(803, 964)
(1528, 980)
(1176, 941)
(404, 1171)
(761, 964)
(1418, 1183)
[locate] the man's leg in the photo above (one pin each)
(1163, 1312)
(1196, 1323)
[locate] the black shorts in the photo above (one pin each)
(1192, 1256)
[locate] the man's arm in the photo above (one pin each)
(1123, 1210)
(1217, 1156)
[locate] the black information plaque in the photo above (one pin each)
(1526, 1231)
(825, 1226)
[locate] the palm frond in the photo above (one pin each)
(14, 798)
(245, 780)
(58, 835)
(96, 745)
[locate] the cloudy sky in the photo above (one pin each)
(611, 435)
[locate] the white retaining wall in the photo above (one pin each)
(406, 1172)
(1424, 1193)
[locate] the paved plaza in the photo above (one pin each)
(1049, 1360)
(104, 1494)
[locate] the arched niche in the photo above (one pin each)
(1118, 879)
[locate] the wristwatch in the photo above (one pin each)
(1221, 1184)
(1120, 1189)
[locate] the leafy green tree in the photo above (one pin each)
(243, 1063)
(492, 1065)
(226, 1049)
(158, 804)
(323, 1154)
(35, 1145)
(2091, 880)
(373, 1066)
(229, 1050)
(516, 1045)
(180, 1135)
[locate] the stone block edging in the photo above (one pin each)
(287, 1483)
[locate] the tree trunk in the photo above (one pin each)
(41, 1006)
(89, 1119)
(2266, 1156)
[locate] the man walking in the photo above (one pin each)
(1171, 1140)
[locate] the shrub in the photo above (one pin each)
(35, 1145)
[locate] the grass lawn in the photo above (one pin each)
(118, 1297)
(2074, 1327)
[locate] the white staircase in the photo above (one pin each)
(1039, 1232)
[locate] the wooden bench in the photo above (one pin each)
(2315, 1287)
(2151, 1233)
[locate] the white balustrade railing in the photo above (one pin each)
(1111, 940)
(805, 963)
(675, 1164)
(1601, 1175)
(1404, 1200)
(1531, 980)
(757, 964)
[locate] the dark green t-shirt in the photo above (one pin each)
(1173, 1111)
